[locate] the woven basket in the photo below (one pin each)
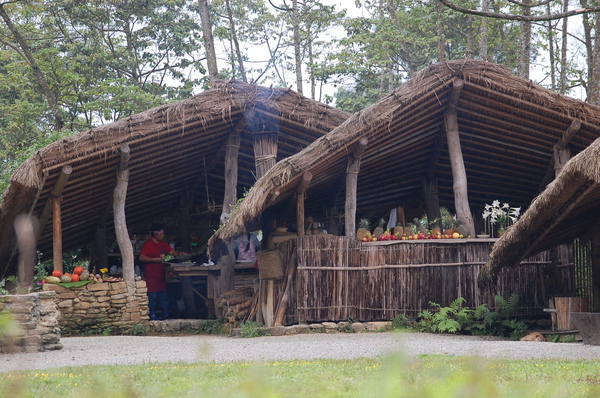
(270, 264)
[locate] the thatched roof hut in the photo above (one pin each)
(569, 208)
(509, 131)
(176, 156)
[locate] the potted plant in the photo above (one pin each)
(502, 214)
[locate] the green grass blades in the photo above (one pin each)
(431, 376)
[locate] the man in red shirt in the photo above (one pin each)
(153, 254)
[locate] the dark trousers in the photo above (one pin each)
(160, 299)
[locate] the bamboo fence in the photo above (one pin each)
(339, 278)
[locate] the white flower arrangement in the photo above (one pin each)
(503, 215)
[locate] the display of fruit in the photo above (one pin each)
(52, 279)
(57, 273)
(65, 279)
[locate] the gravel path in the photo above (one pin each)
(108, 350)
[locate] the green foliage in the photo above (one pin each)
(252, 329)
(458, 318)
(401, 322)
(452, 319)
(139, 329)
(216, 326)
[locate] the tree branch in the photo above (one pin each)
(513, 17)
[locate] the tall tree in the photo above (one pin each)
(209, 42)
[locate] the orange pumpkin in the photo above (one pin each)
(57, 273)
(78, 270)
(75, 278)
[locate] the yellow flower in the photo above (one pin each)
(104, 270)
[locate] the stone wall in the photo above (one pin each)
(37, 315)
(101, 308)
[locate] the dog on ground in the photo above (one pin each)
(534, 336)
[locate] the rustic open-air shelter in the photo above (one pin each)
(460, 134)
(175, 158)
(567, 210)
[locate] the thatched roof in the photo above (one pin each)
(508, 127)
(567, 209)
(177, 150)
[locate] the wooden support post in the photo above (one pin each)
(561, 154)
(432, 201)
(121, 232)
(101, 254)
(57, 234)
(188, 297)
(184, 223)
(25, 230)
(596, 269)
(351, 186)
(57, 190)
(300, 191)
(459, 174)
(229, 200)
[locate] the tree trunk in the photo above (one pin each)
(563, 52)
(229, 201)
(459, 174)
(209, 42)
(236, 43)
(524, 43)
(483, 36)
(297, 49)
(594, 94)
(123, 239)
(351, 186)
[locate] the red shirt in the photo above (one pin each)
(154, 273)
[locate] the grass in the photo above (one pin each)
(426, 376)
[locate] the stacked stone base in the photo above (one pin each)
(101, 308)
(35, 325)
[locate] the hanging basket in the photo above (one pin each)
(270, 264)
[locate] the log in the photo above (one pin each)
(244, 305)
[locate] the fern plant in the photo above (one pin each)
(452, 319)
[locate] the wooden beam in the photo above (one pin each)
(459, 174)
(352, 171)
(569, 134)
(300, 195)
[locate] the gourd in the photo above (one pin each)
(85, 275)
(52, 279)
(65, 279)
